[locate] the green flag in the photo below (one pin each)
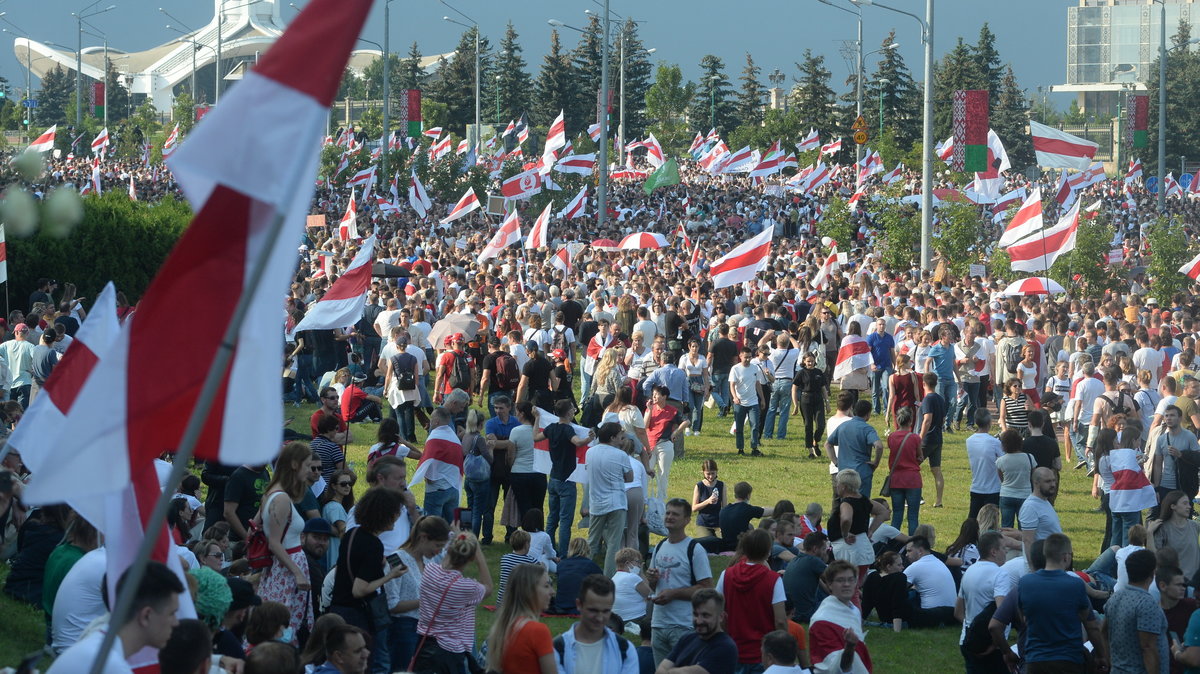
(667, 174)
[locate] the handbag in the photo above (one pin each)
(258, 548)
(476, 466)
(374, 605)
(886, 489)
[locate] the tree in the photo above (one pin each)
(586, 60)
(958, 69)
(118, 102)
(1085, 269)
(57, 91)
(666, 106)
(711, 102)
(1009, 118)
(959, 236)
(513, 83)
(987, 63)
(412, 75)
(183, 112)
(751, 94)
(352, 86)
(812, 98)
(901, 241)
(1183, 97)
(900, 94)
(455, 83)
(556, 87)
(373, 75)
(1168, 252)
(775, 125)
(637, 80)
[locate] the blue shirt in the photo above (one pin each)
(855, 440)
(881, 349)
(670, 376)
(499, 428)
(1051, 602)
(943, 361)
(1130, 611)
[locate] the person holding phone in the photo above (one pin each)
(429, 537)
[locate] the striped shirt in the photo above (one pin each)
(454, 624)
(1015, 413)
(508, 562)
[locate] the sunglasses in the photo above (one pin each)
(345, 484)
(314, 469)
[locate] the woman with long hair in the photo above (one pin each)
(447, 603)
(886, 591)
(576, 566)
(809, 393)
(608, 376)
(518, 643)
(336, 502)
(528, 485)
(314, 649)
(388, 442)
(904, 462)
(287, 581)
(623, 411)
(478, 491)
(1016, 470)
(429, 537)
(964, 547)
(626, 315)
(904, 389)
(708, 497)
(1175, 529)
(699, 378)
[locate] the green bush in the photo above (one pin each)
(118, 240)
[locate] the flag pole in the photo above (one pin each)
(195, 425)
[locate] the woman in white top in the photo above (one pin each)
(535, 333)
(429, 538)
(699, 378)
(286, 581)
(527, 484)
(635, 493)
(623, 411)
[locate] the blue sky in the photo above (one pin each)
(1030, 33)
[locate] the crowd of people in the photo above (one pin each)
(340, 577)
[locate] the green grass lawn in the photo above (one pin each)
(785, 472)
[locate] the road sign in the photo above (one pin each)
(30, 102)
(1185, 181)
(860, 137)
(1152, 184)
(860, 124)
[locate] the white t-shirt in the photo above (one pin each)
(392, 540)
(606, 467)
(1150, 359)
(777, 594)
(629, 603)
(385, 321)
(78, 601)
(79, 657)
(982, 452)
(746, 379)
(933, 581)
(673, 572)
(982, 583)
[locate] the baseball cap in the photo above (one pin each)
(243, 593)
(458, 337)
(531, 345)
(559, 354)
(318, 525)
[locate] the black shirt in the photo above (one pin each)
(565, 390)
(934, 405)
(363, 556)
(562, 450)
(489, 365)
(538, 370)
(756, 330)
(1043, 449)
(723, 355)
(803, 308)
(572, 312)
(859, 521)
(587, 330)
(717, 654)
(245, 487)
(735, 519)
(810, 381)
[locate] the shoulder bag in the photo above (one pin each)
(435, 658)
(374, 605)
(258, 548)
(886, 490)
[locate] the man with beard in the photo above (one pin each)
(708, 649)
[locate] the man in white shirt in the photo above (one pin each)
(1083, 403)
(934, 584)
(607, 472)
(983, 449)
(779, 651)
(746, 380)
(589, 646)
(983, 582)
(150, 621)
(78, 601)
(386, 320)
(1148, 356)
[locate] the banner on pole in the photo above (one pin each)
(970, 130)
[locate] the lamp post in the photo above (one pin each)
(926, 126)
(777, 77)
(79, 17)
(105, 80)
(221, 40)
(188, 34)
(621, 121)
(387, 90)
(858, 65)
(475, 27)
(881, 82)
(28, 63)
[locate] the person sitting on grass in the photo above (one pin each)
(520, 555)
(886, 592)
(571, 572)
(632, 591)
(735, 517)
(540, 546)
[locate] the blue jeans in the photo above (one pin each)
(441, 503)
(948, 389)
(973, 402)
(402, 641)
(780, 404)
(1121, 522)
(720, 391)
(740, 415)
(305, 375)
(1079, 433)
(879, 388)
(1010, 507)
(696, 400)
(406, 417)
(585, 383)
(910, 497)
(560, 514)
(865, 472)
(479, 500)
(381, 657)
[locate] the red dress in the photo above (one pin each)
(903, 393)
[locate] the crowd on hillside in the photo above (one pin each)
(513, 451)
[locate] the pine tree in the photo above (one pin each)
(586, 59)
(637, 80)
(901, 96)
(412, 75)
(812, 98)
(513, 83)
(373, 75)
(712, 103)
(751, 96)
(455, 84)
(556, 88)
(958, 70)
(1009, 118)
(57, 90)
(666, 106)
(988, 63)
(1183, 97)
(118, 95)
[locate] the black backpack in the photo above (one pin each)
(692, 543)
(1118, 407)
(507, 374)
(560, 647)
(404, 366)
(459, 375)
(1012, 358)
(978, 639)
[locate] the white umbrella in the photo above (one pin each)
(1038, 285)
(643, 240)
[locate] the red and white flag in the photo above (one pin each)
(556, 136)
(439, 149)
(810, 142)
(576, 207)
(694, 263)
(1191, 269)
(417, 197)
(832, 148)
(441, 459)
(348, 226)
(132, 191)
(508, 234)
(364, 178)
(853, 354)
(852, 202)
(467, 203)
(43, 142)
(821, 279)
(539, 234)
(522, 185)
(1135, 170)
(434, 133)
(654, 151)
(1026, 221)
(463, 146)
(561, 260)
(711, 160)
(343, 304)
(1172, 186)
(1000, 208)
(743, 262)
(697, 143)
(1038, 252)
(893, 175)
(512, 125)
(1059, 149)
(945, 149)
(249, 170)
(1131, 491)
(581, 164)
(100, 142)
(170, 143)
(3, 257)
(989, 183)
(593, 132)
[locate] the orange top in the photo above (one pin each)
(522, 651)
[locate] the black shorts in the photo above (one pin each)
(933, 453)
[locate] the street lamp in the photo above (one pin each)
(881, 82)
(621, 120)
(188, 33)
(387, 89)
(1162, 104)
(777, 77)
(475, 27)
(926, 126)
(79, 17)
(105, 80)
(221, 40)
(857, 66)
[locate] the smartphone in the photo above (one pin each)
(464, 517)
(393, 560)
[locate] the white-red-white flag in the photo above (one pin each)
(1191, 269)
(694, 266)
(441, 458)
(434, 133)
(853, 354)
(522, 185)
(439, 149)
(1026, 221)
(132, 190)
(576, 206)
(348, 226)
(561, 260)
(1059, 149)
(364, 178)
(508, 234)
(654, 151)
(343, 304)
(467, 203)
(593, 132)
(556, 136)
(580, 164)
(697, 143)
(43, 142)
(1135, 170)
(893, 175)
(100, 142)
(832, 147)
(1038, 252)
(810, 142)
(821, 279)
(3, 257)
(743, 262)
(539, 233)
(170, 143)
(945, 149)
(417, 197)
